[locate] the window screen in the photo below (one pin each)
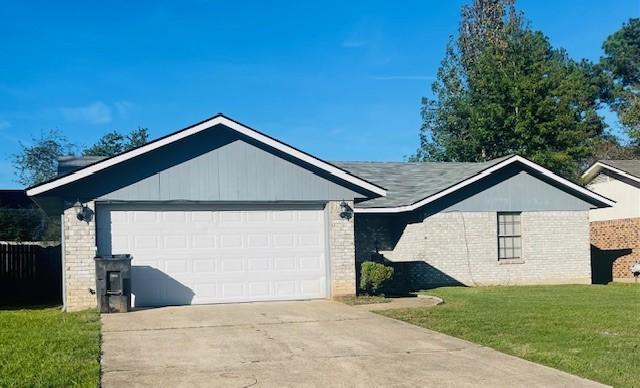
(509, 236)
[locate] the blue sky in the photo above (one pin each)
(341, 80)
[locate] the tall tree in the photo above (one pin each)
(622, 61)
(502, 89)
(38, 161)
(114, 143)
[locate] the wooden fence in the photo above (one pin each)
(30, 273)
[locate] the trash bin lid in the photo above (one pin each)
(124, 256)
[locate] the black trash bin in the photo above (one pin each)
(113, 283)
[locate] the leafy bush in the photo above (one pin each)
(373, 275)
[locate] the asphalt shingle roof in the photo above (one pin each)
(406, 182)
(409, 182)
(630, 166)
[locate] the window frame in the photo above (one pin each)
(515, 235)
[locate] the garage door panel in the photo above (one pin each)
(203, 241)
(311, 286)
(285, 288)
(204, 266)
(257, 240)
(230, 241)
(230, 218)
(284, 264)
(259, 264)
(141, 242)
(232, 265)
(311, 263)
(177, 266)
(234, 291)
(260, 290)
(212, 256)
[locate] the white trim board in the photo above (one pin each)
(216, 120)
(483, 174)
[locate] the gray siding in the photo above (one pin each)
(237, 171)
(214, 165)
(516, 191)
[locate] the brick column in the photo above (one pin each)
(342, 251)
(79, 267)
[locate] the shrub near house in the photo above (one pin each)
(373, 276)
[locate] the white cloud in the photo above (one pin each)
(124, 108)
(95, 113)
(405, 78)
(4, 124)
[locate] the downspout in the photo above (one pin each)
(62, 258)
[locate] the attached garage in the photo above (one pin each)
(214, 213)
(194, 254)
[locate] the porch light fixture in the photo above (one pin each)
(345, 211)
(83, 213)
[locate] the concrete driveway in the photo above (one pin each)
(309, 343)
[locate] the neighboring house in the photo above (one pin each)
(615, 231)
(219, 212)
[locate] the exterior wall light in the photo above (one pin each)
(345, 211)
(83, 213)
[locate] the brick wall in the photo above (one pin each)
(461, 248)
(621, 235)
(79, 267)
(341, 251)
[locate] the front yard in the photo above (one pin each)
(590, 331)
(43, 347)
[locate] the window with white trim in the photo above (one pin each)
(509, 236)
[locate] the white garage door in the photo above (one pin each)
(194, 255)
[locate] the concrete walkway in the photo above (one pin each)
(308, 344)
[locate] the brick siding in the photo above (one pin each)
(341, 251)
(79, 267)
(461, 248)
(622, 234)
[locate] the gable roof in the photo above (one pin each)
(626, 168)
(218, 119)
(413, 185)
(410, 182)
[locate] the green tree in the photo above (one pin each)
(502, 89)
(622, 61)
(114, 143)
(38, 161)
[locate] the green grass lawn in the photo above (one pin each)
(590, 331)
(44, 347)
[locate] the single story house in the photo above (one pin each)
(219, 212)
(614, 230)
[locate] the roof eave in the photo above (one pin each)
(215, 120)
(602, 201)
